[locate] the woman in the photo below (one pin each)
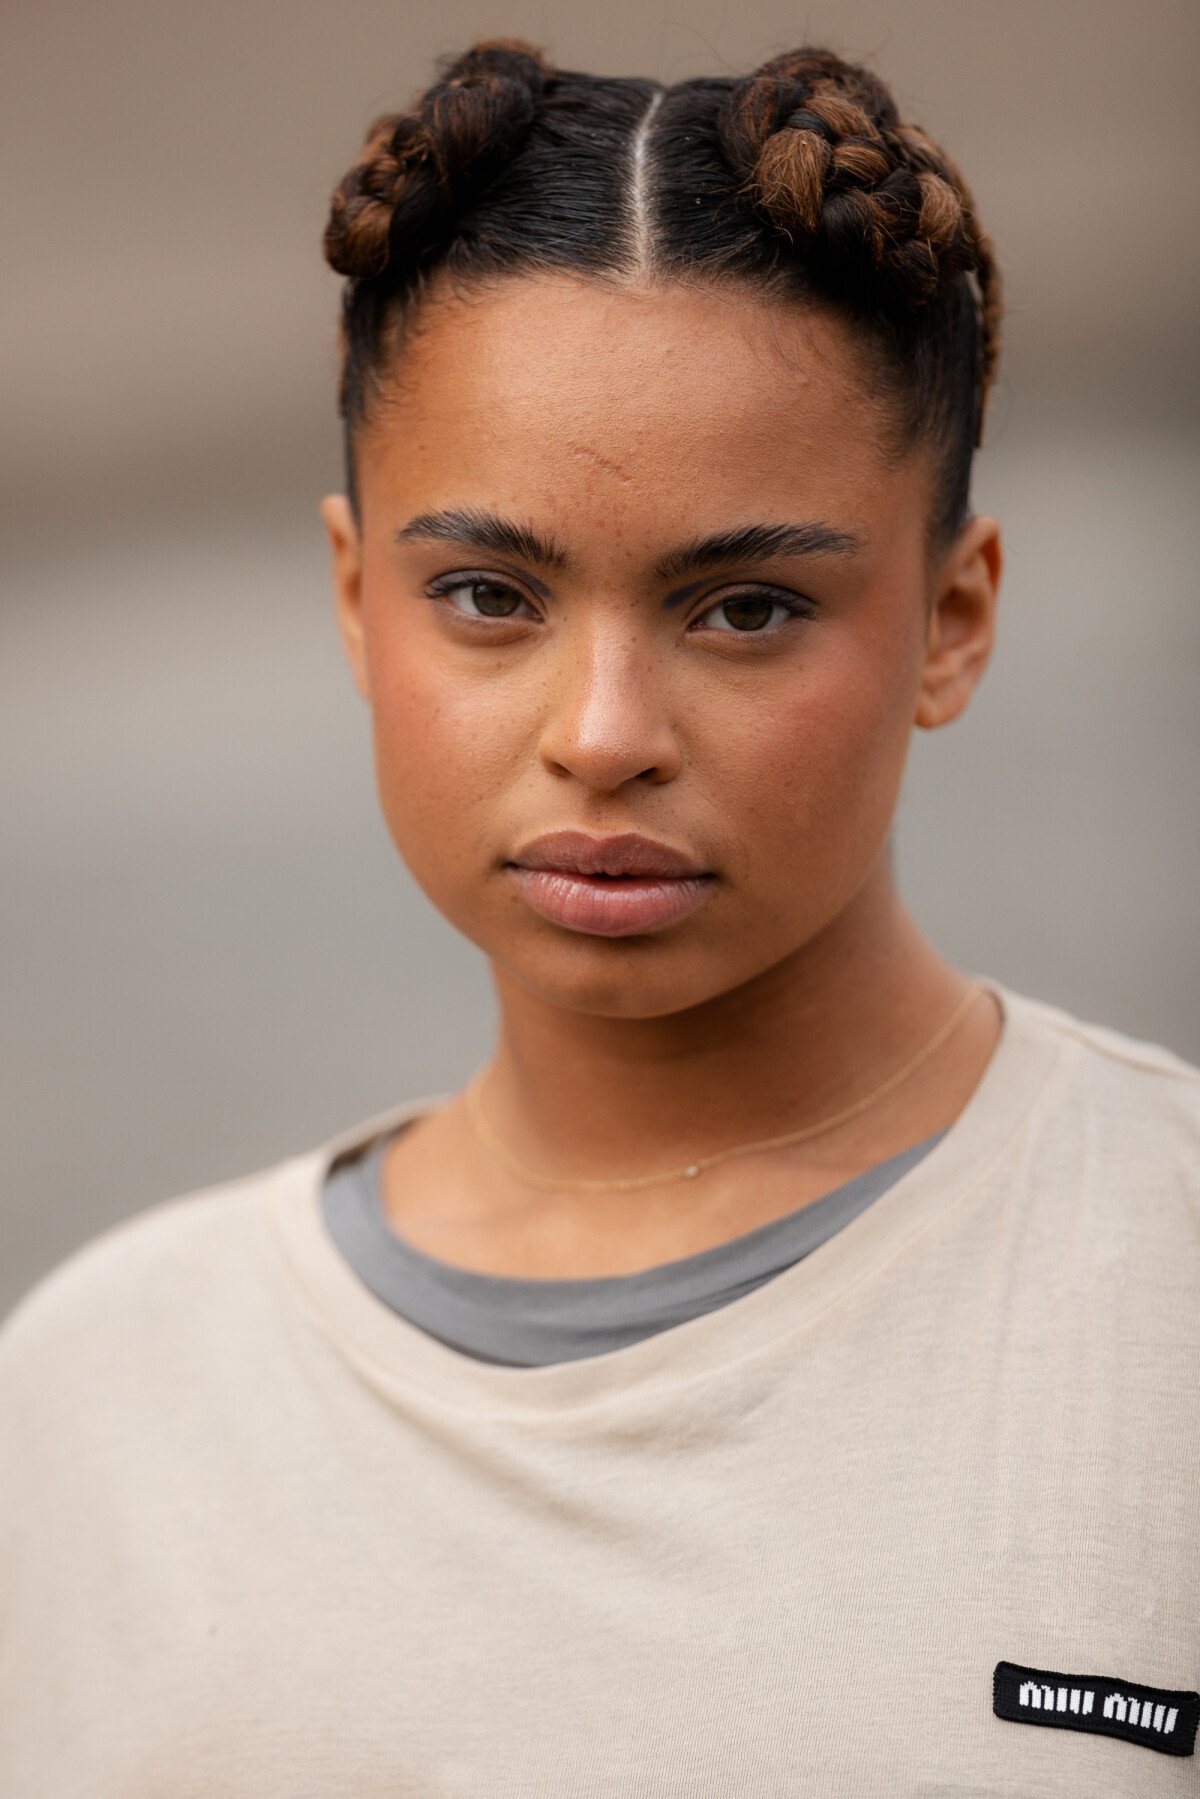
(775, 1372)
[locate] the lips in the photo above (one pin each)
(608, 886)
(573, 852)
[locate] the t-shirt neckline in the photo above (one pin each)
(397, 1356)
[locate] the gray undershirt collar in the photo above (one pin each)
(521, 1322)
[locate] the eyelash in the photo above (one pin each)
(795, 605)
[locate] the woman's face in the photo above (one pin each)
(547, 645)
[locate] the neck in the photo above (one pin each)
(584, 1096)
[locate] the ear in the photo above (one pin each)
(346, 545)
(962, 622)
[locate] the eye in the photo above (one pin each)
(756, 613)
(481, 597)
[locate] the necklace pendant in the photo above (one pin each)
(691, 1171)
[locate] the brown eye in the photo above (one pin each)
(752, 614)
(494, 602)
(748, 614)
(483, 599)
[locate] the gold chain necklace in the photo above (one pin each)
(473, 1099)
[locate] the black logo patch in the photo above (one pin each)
(1152, 1716)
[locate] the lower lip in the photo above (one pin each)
(610, 907)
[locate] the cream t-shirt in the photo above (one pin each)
(260, 1535)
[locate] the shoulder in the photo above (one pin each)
(127, 1371)
(1125, 1103)
(1118, 1051)
(1103, 1064)
(174, 1268)
(195, 1279)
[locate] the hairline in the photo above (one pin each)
(407, 314)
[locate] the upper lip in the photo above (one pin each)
(574, 852)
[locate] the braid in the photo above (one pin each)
(799, 181)
(825, 159)
(419, 169)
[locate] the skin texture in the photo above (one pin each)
(621, 422)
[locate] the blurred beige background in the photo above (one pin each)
(212, 957)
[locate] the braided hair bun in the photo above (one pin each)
(419, 170)
(799, 181)
(825, 159)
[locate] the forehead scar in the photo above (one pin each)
(601, 462)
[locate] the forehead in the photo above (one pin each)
(557, 387)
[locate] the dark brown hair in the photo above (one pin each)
(798, 181)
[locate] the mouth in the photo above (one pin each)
(608, 886)
(610, 905)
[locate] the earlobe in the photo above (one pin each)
(346, 546)
(961, 624)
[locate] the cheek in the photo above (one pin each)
(442, 742)
(816, 773)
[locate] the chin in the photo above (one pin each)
(642, 977)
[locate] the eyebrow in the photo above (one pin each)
(748, 543)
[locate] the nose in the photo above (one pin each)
(607, 719)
